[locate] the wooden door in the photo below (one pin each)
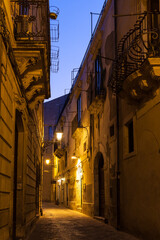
(101, 188)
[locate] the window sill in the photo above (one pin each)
(129, 155)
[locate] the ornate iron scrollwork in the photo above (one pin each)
(31, 19)
(135, 47)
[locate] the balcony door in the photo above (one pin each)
(99, 190)
(153, 5)
(153, 24)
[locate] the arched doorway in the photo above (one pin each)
(99, 193)
(18, 202)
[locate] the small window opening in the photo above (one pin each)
(112, 130)
(130, 137)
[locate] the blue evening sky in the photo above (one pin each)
(75, 33)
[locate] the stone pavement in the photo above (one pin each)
(59, 223)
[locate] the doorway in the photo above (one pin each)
(67, 194)
(99, 190)
(18, 200)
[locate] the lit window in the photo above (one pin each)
(79, 110)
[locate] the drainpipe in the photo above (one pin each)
(117, 115)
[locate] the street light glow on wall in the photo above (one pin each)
(73, 157)
(79, 170)
(79, 164)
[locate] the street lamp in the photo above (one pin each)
(59, 136)
(47, 161)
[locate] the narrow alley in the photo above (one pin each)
(59, 223)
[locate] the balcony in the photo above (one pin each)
(96, 100)
(76, 128)
(32, 48)
(59, 149)
(136, 71)
(30, 19)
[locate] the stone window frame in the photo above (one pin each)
(126, 153)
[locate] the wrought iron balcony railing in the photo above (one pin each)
(59, 149)
(95, 99)
(75, 124)
(135, 48)
(30, 19)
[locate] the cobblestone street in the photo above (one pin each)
(58, 223)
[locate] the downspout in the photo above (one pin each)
(117, 115)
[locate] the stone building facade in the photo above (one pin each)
(52, 110)
(24, 84)
(107, 163)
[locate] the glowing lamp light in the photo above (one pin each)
(47, 161)
(59, 135)
(79, 164)
(79, 172)
(59, 181)
(73, 157)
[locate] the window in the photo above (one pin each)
(58, 166)
(98, 75)
(98, 124)
(84, 147)
(50, 133)
(112, 130)
(153, 5)
(65, 159)
(130, 136)
(79, 110)
(55, 146)
(91, 131)
(23, 8)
